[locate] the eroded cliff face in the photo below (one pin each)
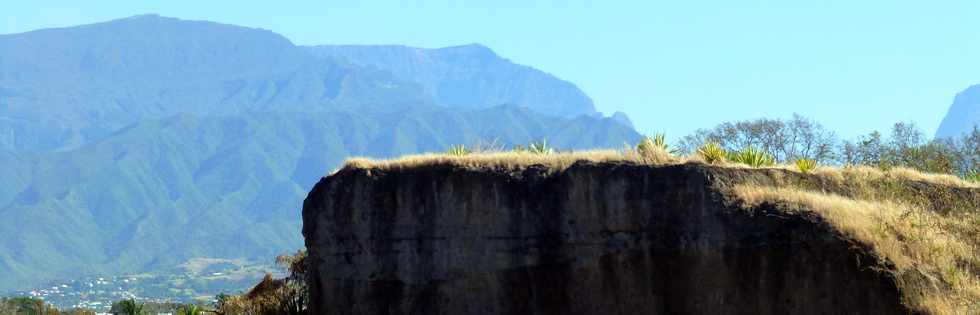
(592, 239)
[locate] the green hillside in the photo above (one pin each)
(159, 193)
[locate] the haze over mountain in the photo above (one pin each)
(469, 76)
(139, 143)
(963, 115)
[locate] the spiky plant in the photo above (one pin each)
(973, 176)
(806, 165)
(458, 150)
(712, 153)
(653, 146)
(752, 157)
(646, 147)
(520, 149)
(540, 148)
(190, 310)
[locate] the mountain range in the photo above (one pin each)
(140, 143)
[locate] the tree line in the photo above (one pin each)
(788, 140)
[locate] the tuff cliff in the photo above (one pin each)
(591, 238)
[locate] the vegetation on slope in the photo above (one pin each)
(136, 200)
(933, 251)
(287, 296)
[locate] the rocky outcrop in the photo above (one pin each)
(607, 238)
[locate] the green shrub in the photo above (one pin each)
(128, 307)
(458, 150)
(752, 157)
(286, 296)
(712, 153)
(806, 165)
(25, 305)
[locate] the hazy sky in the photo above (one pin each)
(671, 65)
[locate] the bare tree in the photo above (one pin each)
(787, 140)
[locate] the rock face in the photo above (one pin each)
(592, 239)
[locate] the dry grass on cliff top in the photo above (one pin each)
(558, 162)
(935, 256)
(509, 160)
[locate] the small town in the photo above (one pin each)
(187, 285)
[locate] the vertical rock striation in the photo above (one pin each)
(592, 239)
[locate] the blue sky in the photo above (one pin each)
(673, 66)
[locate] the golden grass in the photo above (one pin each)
(936, 258)
(868, 173)
(556, 162)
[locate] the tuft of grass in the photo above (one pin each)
(458, 150)
(712, 153)
(752, 157)
(653, 155)
(190, 310)
(540, 148)
(654, 146)
(934, 257)
(646, 145)
(972, 176)
(485, 146)
(805, 165)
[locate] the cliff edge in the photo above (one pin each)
(594, 237)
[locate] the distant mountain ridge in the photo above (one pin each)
(82, 83)
(468, 76)
(139, 143)
(963, 114)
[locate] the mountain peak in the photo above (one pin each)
(622, 118)
(144, 16)
(469, 76)
(963, 115)
(474, 50)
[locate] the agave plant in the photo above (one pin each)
(752, 157)
(458, 150)
(806, 165)
(973, 176)
(651, 146)
(190, 310)
(540, 148)
(712, 153)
